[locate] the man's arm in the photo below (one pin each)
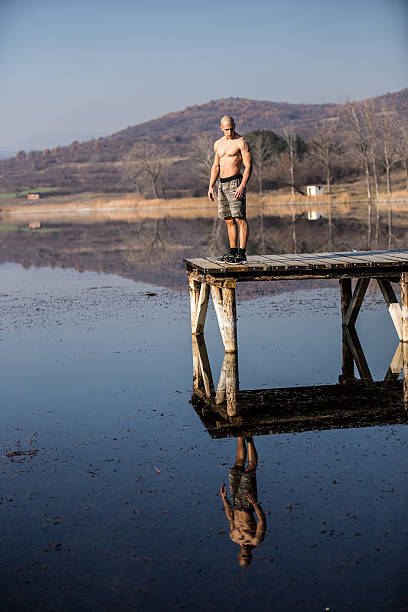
(247, 161)
(260, 515)
(215, 170)
(227, 504)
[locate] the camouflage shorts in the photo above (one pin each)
(241, 483)
(228, 205)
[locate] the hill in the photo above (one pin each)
(95, 165)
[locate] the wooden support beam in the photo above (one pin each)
(392, 303)
(345, 294)
(230, 320)
(404, 306)
(396, 365)
(356, 301)
(358, 353)
(205, 366)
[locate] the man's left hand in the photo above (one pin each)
(239, 193)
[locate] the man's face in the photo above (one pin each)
(228, 129)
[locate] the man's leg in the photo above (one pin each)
(243, 232)
(241, 453)
(252, 456)
(232, 232)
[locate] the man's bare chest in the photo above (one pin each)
(229, 151)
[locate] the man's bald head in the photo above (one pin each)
(227, 121)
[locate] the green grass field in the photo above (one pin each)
(7, 196)
(16, 228)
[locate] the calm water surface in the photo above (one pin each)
(110, 481)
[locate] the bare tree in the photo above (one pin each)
(146, 166)
(359, 141)
(292, 153)
(263, 145)
(401, 143)
(371, 128)
(203, 154)
(325, 148)
(390, 138)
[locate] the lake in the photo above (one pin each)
(111, 471)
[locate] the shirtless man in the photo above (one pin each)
(244, 529)
(231, 151)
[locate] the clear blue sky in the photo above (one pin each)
(79, 68)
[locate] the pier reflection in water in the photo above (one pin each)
(226, 410)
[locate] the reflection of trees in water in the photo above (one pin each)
(216, 240)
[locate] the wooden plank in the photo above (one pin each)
(205, 265)
(356, 301)
(231, 383)
(392, 303)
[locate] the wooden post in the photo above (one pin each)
(202, 308)
(196, 364)
(405, 372)
(345, 293)
(231, 382)
(216, 294)
(347, 370)
(194, 287)
(230, 320)
(404, 306)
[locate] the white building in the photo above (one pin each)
(314, 190)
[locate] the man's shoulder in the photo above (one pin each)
(219, 141)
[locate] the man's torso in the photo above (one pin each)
(230, 156)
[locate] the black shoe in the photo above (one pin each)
(240, 259)
(229, 258)
(221, 258)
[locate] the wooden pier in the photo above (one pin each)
(206, 275)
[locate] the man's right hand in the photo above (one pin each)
(211, 193)
(223, 491)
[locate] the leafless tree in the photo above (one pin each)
(401, 143)
(325, 148)
(262, 150)
(359, 142)
(203, 154)
(146, 166)
(292, 155)
(371, 128)
(390, 137)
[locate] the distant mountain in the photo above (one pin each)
(94, 165)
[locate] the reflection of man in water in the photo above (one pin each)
(231, 151)
(244, 530)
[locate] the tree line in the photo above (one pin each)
(363, 139)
